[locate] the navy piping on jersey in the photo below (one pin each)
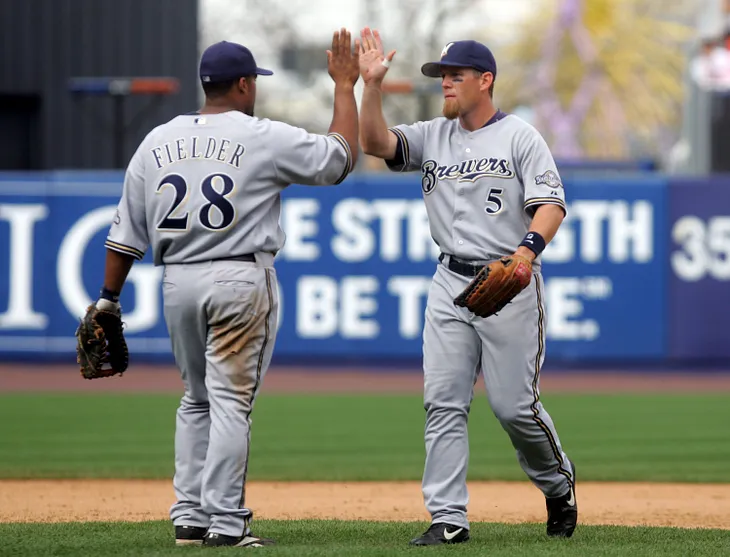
(399, 160)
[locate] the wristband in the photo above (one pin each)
(534, 242)
(109, 295)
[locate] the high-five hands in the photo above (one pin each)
(373, 61)
(342, 61)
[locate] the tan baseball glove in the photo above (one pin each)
(496, 285)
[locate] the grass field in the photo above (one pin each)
(681, 438)
(332, 538)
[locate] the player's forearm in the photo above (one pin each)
(344, 118)
(116, 270)
(374, 134)
(546, 222)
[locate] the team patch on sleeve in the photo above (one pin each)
(549, 179)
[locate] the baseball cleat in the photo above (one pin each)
(213, 539)
(562, 513)
(440, 533)
(189, 535)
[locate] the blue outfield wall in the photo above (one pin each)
(638, 272)
(699, 289)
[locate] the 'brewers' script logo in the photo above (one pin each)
(466, 171)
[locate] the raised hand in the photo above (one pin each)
(343, 63)
(372, 57)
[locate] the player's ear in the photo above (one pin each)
(243, 85)
(487, 81)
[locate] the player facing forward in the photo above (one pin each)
(491, 189)
(203, 190)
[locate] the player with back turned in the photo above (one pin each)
(203, 190)
(494, 197)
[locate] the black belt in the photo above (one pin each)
(245, 257)
(463, 269)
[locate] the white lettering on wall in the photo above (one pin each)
(316, 307)
(326, 308)
(20, 313)
(626, 228)
(396, 224)
(353, 240)
(411, 292)
(299, 222)
(565, 299)
(145, 278)
(704, 248)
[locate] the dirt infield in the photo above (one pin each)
(692, 506)
(289, 379)
(695, 506)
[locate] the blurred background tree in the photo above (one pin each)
(603, 79)
(291, 36)
(600, 78)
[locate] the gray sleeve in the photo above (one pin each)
(409, 152)
(128, 231)
(309, 159)
(538, 172)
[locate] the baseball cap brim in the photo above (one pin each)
(433, 69)
(263, 71)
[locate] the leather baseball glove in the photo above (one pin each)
(101, 350)
(496, 285)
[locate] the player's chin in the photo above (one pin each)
(450, 109)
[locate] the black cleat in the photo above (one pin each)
(440, 533)
(562, 513)
(213, 539)
(189, 535)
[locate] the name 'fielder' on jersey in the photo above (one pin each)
(203, 190)
(491, 189)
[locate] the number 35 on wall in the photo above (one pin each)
(704, 248)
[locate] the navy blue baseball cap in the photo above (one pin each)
(463, 54)
(225, 61)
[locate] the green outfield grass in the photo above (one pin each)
(328, 538)
(611, 437)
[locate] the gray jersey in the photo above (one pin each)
(480, 187)
(204, 187)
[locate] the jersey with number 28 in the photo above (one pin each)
(481, 187)
(204, 187)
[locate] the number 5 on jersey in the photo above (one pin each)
(217, 220)
(494, 201)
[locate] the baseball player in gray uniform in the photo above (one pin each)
(203, 190)
(491, 189)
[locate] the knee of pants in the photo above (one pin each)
(194, 400)
(511, 412)
(445, 406)
(446, 392)
(195, 392)
(229, 401)
(448, 418)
